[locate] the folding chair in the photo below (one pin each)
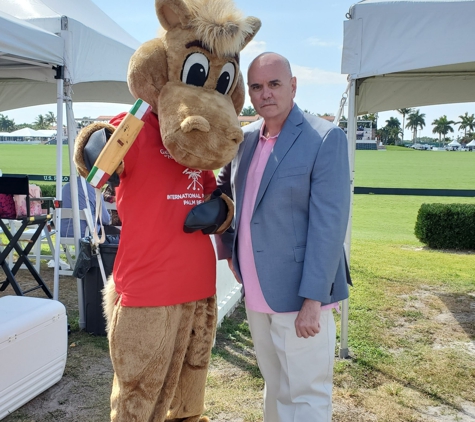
(18, 185)
(45, 237)
(68, 242)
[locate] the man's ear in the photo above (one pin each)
(172, 13)
(294, 85)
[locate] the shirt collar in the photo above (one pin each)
(261, 134)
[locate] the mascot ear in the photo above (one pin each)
(254, 26)
(172, 13)
(148, 72)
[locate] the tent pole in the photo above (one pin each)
(73, 180)
(351, 134)
(59, 177)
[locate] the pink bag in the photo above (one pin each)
(7, 206)
(35, 206)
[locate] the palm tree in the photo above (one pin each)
(50, 118)
(442, 126)
(393, 129)
(415, 120)
(404, 112)
(6, 124)
(372, 117)
(466, 122)
(40, 122)
(248, 111)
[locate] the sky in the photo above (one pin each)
(308, 32)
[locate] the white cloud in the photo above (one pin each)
(315, 76)
(321, 43)
(253, 49)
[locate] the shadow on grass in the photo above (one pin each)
(365, 366)
(234, 343)
(462, 308)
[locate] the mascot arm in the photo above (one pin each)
(88, 146)
(214, 216)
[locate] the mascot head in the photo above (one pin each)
(191, 78)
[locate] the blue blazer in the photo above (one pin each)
(301, 212)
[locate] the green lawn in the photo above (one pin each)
(407, 168)
(31, 159)
(396, 167)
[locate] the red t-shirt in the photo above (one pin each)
(157, 263)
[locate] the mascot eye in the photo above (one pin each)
(195, 70)
(226, 78)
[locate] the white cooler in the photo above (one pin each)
(33, 348)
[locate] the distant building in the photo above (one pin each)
(245, 120)
(328, 118)
(103, 118)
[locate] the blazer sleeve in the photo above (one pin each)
(224, 242)
(329, 207)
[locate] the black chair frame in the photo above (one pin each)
(19, 185)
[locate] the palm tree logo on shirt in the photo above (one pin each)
(194, 175)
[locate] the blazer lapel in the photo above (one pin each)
(286, 139)
(242, 170)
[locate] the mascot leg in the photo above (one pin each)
(151, 347)
(188, 403)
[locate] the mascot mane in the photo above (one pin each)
(221, 27)
(218, 24)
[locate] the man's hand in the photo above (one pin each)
(307, 323)
(231, 267)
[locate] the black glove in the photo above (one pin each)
(207, 216)
(93, 148)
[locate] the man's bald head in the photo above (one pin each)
(271, 57)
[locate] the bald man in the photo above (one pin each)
(291, 185)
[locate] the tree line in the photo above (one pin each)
(393, 132)
(45, 121)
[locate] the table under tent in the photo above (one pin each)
(405, 54)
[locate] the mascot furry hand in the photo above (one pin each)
(160, 305)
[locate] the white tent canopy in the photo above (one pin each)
(405, 53)
(454, 143)
(24, 43)
(96, 53)
(410, 53)
(29, 133)
(471, 143)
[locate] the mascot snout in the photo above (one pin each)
(195, 134)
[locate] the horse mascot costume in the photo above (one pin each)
(160, 303)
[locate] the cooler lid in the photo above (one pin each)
(19, 314)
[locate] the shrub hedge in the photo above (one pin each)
(446, 226)
(47, 190)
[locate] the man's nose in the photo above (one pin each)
(266, 93)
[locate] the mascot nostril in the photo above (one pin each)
(195, 123)
(235, 135)
(164, 278)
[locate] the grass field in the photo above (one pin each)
(408, 168)
(31, 159)
(411, 326)
(397, 167)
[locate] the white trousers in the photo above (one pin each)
(298, 372)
